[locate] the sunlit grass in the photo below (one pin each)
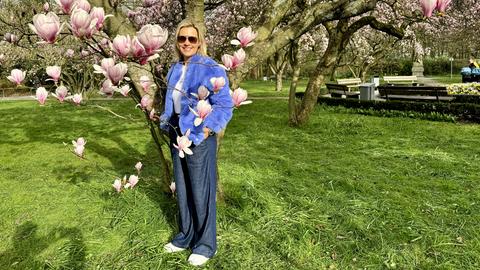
(447, 79)
(346, 191)
(260, 88)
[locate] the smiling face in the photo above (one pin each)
(188, 42)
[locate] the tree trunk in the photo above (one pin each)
(279, 81)
(292, 101)
(324, 68)
(195, 10)
(279, 76)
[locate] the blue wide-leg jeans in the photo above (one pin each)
(195, 180)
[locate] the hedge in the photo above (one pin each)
(469, 112)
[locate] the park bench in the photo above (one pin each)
(400, 79)
(337, 90)
(412, 92)
(350, 82)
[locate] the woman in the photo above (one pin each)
(195, 175)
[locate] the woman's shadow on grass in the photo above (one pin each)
(27, 245)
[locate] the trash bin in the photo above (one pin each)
(376, 80)
(367, 91)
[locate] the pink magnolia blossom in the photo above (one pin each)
(47, 27)
(152, 37)
(17, 76)
(107, 88)
(238, 58)
(245, 36)
(232, 62)
(239, 97)
(138, 52)
(121, 45)
(54, 72)
(104, 42)
(202, 93)
(132, 181)
(84, 53)
(145, 83)
(227, 61)
(124, 90)
(137, 48)
(99, 14)
(66, 5)
(106, 63)
(145, 102)
(428, 6)
(442, 5)
(46, 7)
(173, 187)
(117, 185)
(138, 166)
(77, 99)
(79, 146)
(41, 95)
(203, 110)
(83, 4)
(217, 83)
(69, 53)
(117, 72)
(183, 144)
(82, 25)
(61, 93)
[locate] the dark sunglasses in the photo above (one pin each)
(183, 39)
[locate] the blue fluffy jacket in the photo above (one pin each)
(200, 70)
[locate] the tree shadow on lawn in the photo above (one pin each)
(151, 184)
(26, 246)
(119, 152)
(154, 185)
(121, 155)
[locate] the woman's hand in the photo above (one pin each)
(206, 132)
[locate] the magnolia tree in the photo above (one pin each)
(453, 21)
(278, 24)
(391, 17)
(234, 15)
(116, 57)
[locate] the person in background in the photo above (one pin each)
(195, 174)
(473, 64)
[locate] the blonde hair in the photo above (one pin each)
(202, 49)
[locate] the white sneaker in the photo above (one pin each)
(171, 248)
(197, 259)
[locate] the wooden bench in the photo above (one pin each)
(400, 79)
(411, 92)
(350, 83)
(337, 90)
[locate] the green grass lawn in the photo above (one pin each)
(346, 191)
(446, 79)
(258, 88)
